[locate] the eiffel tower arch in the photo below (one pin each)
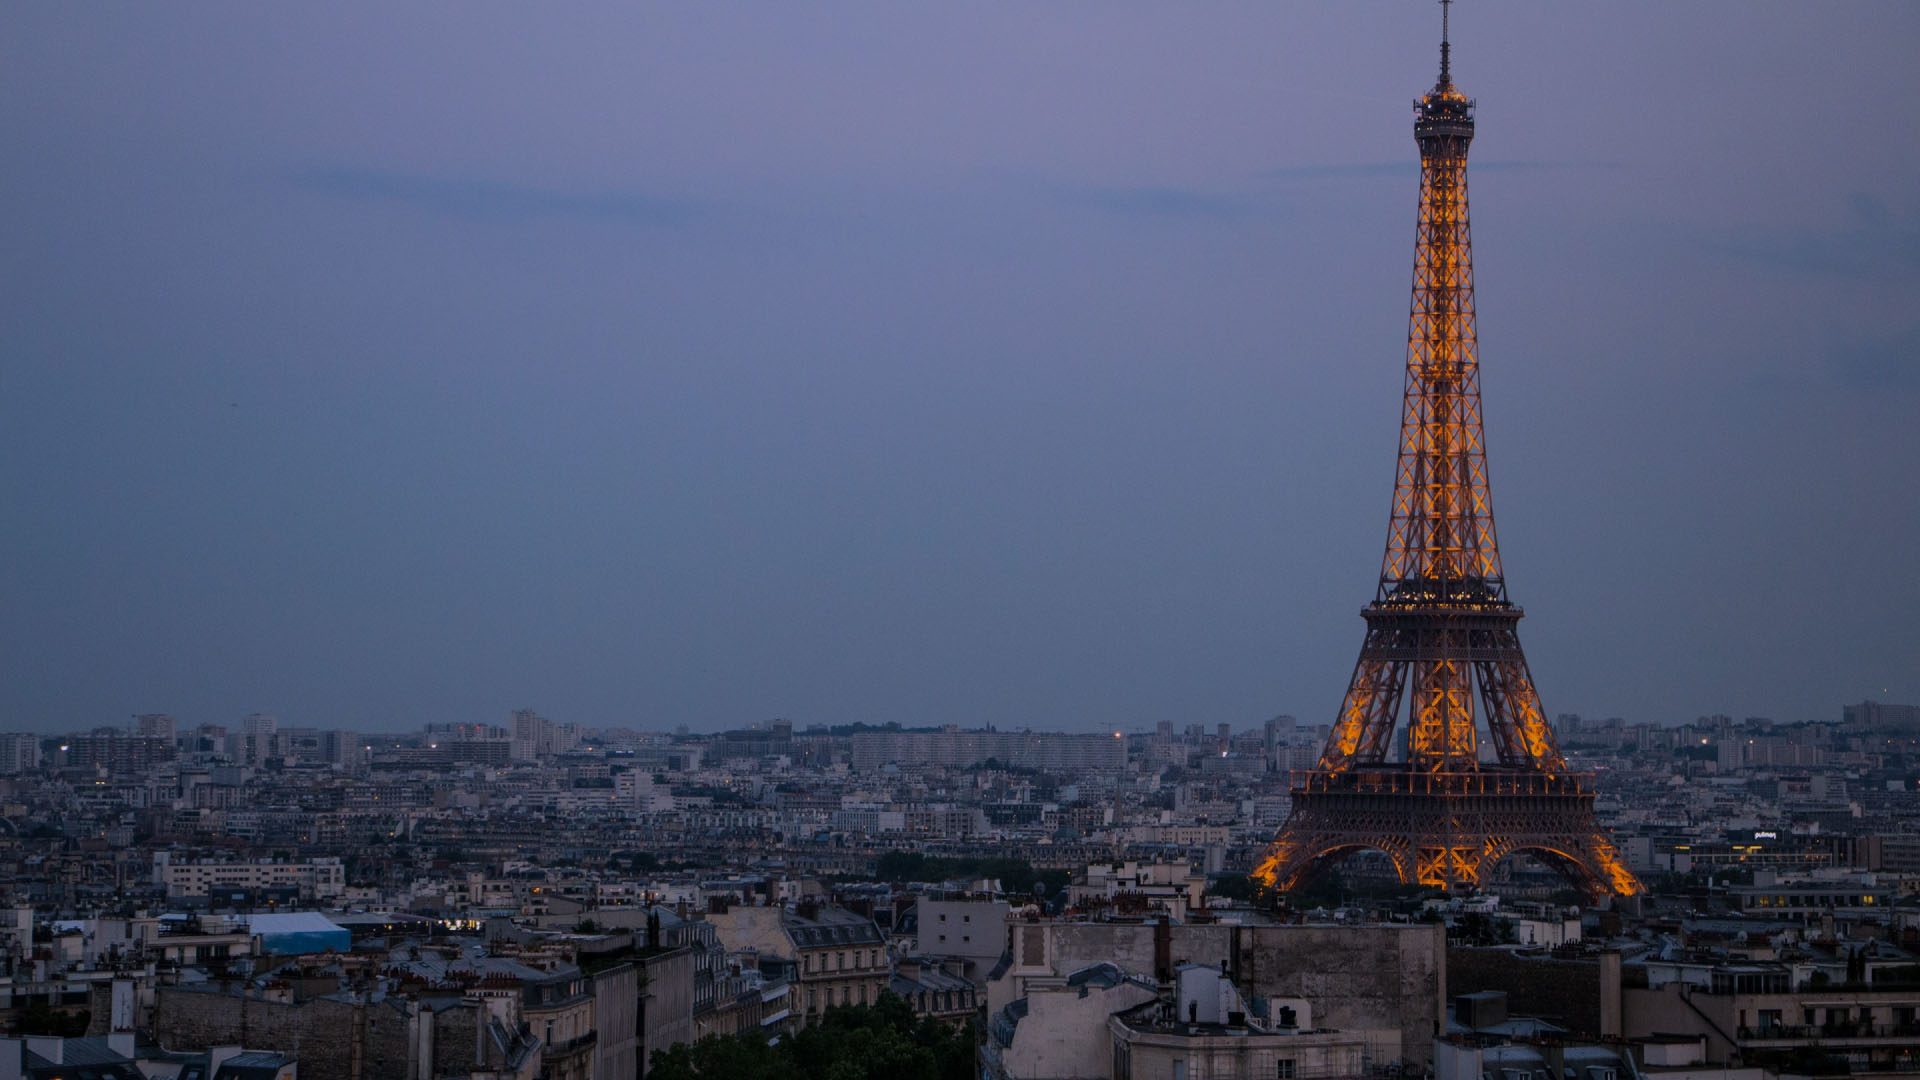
(1442, 636)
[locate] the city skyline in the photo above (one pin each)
(1025, 368)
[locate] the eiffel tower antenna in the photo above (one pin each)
(1446, 78)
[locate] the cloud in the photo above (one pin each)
(1352, 170)
(1410, 169)
(1879, 364)
(1875, 243)
(482, 200)
(1166, 202)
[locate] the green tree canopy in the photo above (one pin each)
(884, 1041)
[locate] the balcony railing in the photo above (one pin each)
(562, 1047)
(1824, 1032)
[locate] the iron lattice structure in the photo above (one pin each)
(1441, 624)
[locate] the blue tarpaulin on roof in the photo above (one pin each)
(298, 932)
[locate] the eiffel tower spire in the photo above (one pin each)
(1441, 633)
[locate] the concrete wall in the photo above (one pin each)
(753, 928)
(975, 929)
(616, 1023)
(333, 1040)
(456, 1040)
(1356, 977)
(666, 1002)
(1064, 1034)
(1582, 996)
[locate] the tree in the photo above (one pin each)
(883, 1041)
(732, 1057)
(41, 1019)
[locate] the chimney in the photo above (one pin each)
(1162, 950)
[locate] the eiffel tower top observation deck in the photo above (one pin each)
(1441, 631)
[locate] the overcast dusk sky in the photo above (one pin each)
(1027, 364)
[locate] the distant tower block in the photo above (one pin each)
(1441, 632)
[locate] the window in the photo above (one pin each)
(1282, 1069)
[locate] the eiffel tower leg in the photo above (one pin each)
(1366, 716)
(1514, 716)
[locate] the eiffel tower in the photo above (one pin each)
(1441, 624)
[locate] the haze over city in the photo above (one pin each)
(376, 367)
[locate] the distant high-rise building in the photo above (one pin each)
(19, 752)
(256, 742)
(1276, 738)
(345, 749)
(118, 751)
(954, 747)
(158, 725)
(533, 735)
(1872, 714)
(1279, 730)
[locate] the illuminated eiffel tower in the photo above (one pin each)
(1441, 623)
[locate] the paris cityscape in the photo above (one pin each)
(606, 755)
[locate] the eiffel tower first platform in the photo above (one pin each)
(1441, 632)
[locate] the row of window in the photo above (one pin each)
(1834, 1016)
(936, 1001)
(1816, 900)
(945, 1000)
(840, 995)
(840, 960)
